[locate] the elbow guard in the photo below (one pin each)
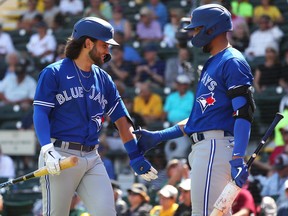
(246, 111)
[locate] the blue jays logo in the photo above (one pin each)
(206, 100)
(98, 120)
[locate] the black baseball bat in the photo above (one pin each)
(267, 134)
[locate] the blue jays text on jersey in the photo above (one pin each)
(221, 72)
(77, 106)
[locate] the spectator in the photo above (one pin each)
(268, 206)
(283, 82)
(138, 200)
(42, 46)
(76, 207)
(185, 205)
(177, 65)
(71, 7)
(18, 88)
(120, 205)
(244, 204)
(6, 43)
(99, 8)
(242, 8)
(268, 74)
(266, 35)
(120, 69)
(274, 185)
(160, 11)
(177, 171)
(167, 202)
(283, 207)
(109, 166)
(148, 29)
(267, 8)
(148, 104)
(152, 68)
(7, 168)
(11, 61)
(130, 53)
(1, 204)
(240, 36)
(172, 27)
(51, 11)
(280, 148)
(120, 23)
(26, 20)
(178, 104)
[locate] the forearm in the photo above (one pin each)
(125, 129)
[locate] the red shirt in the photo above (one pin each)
(244, 200)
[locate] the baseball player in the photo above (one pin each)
(73, 96)
(220, 121)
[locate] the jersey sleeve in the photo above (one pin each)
(237, 73)
(46, 88)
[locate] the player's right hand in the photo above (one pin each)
(147, 139)
(239, 171)
(143, 168)
(52, 159)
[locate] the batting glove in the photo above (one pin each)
(139, 164)
(239, 171)
(149, 139)
(52, 159)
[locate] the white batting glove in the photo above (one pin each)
(52, 159)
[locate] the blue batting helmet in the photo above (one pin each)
(211, 17)
(95, 28)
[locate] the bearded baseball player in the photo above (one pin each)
(220, 121)
(73, 96)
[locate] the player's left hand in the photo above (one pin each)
(143, 168)
(239, 171)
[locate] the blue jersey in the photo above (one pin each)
(77, 112)
(212, 109)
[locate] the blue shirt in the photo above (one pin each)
(212, 108)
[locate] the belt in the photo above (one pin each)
(74, 146)
(214, 134)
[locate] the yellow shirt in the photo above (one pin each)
(158, 211)
(154, 106)
(272, 11)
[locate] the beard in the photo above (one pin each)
(94, 57)
(207, 48)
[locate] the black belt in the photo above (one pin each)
(74, 146)
(197, 137)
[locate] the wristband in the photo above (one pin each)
(132, 149)
(171, 133)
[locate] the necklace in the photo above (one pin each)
(81, 71)
(76, 68)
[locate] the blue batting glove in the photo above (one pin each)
(137, 161)
(149, 139)
(239, 171)
(143, 168)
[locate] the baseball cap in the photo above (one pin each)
(41, 24)
(183, 79)
(285, 128)
(185, 184)
(281, 161)
(169, 191)
(268, 206)
(172, 162)
(139, 188)
(150, 47)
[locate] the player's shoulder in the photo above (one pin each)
(234, 55)
(57, 66)
(100, 73)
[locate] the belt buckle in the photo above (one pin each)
(195, 137)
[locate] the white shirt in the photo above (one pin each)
(7, 168)
(71, 6)
(15, 91)
(6, 43)
(260, 40)
(38, 46)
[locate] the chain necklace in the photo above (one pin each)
(76, 68)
